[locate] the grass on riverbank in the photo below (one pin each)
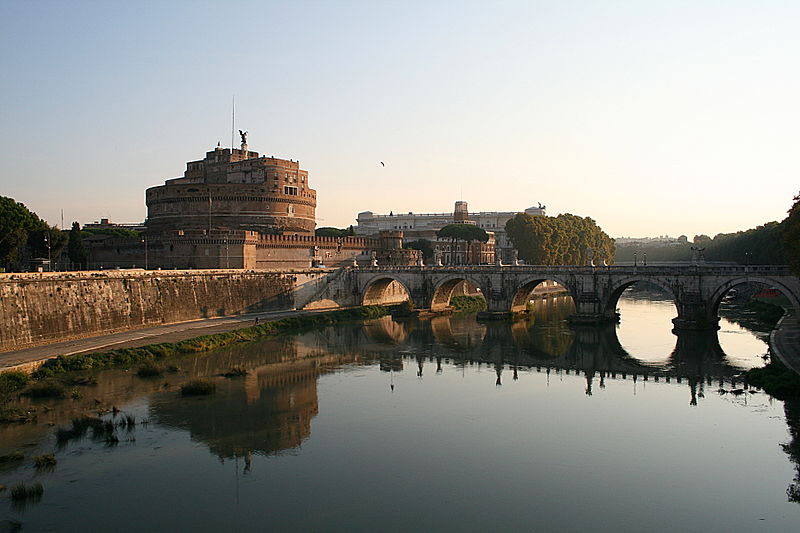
(127, 357)
(776, 379)
(468, 303)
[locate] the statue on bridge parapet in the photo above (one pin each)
(373, 259)
(698, 255)
(498, 258)
(590, 255)
(515, 257)
(438, 257)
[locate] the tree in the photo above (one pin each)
(791, 236)
(462, 232)
(47, 242)
(75, 249)
(563, 240)
(330, 232)
(16, 224)
(423, 245)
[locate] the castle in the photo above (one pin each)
(238, 209)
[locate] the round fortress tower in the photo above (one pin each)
(235, 189)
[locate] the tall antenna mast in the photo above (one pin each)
(233, 122)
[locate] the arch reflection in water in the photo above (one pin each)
(271, 409)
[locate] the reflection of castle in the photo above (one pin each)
(268, 411)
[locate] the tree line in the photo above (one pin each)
(561, 240)
(763, 245)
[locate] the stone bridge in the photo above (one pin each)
(696, 290)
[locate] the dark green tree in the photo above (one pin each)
(330, 232)
(16, 224)
(423, 245)
(791, 236)
(563, 240)
(75, 249)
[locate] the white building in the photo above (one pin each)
(425, 225)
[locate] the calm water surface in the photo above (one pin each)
(432, 425)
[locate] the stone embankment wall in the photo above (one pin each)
(40, 308)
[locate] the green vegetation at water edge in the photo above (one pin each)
(776, 379)
(149, 370)
(23, 492)
(127, 357)
(198, 387)
(45, 461)
(45, 389)
(468, 303)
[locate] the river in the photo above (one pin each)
(431, 425)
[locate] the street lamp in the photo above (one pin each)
(144, 240)
(47, 243)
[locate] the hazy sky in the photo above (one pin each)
(651, 117)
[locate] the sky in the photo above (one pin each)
(653, 118)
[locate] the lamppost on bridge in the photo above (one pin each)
(634, 259)
(144, 240)
(47, 243)
(644, 262)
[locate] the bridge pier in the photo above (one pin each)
(589, 309)
(497, 305)
(694, 314)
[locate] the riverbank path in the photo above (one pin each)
(785, 341)
(28, 359)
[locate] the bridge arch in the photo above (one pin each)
(720, 292)
(612, 300)
(376, 290)
(519, 301)
(444, 289)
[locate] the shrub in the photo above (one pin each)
(149, 370)
(45, 461)
(198, 387)
(13, 381)
(235, 372)
(45, 389)
(24, 492)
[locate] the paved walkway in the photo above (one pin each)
(785, 341)
(30, 358)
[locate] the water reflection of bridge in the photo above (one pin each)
(548, 346)
(271, 409)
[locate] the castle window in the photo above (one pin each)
(290, 190)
